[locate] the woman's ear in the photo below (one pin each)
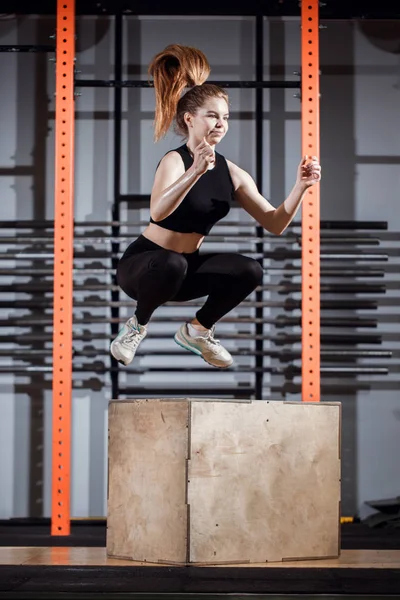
(187, 117)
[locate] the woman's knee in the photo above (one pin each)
(249, 270)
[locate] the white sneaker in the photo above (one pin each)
(124, 347)
(204, 345)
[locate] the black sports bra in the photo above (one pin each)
(206, 203)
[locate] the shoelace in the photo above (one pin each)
(210, 336)
(132, 337)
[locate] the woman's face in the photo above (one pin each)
(210, 121)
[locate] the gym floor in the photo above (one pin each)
(33, 564)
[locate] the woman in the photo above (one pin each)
(194, 187)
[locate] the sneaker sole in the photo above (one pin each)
(117, 357)
(182, 344)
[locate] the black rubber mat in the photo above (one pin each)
(200, 580)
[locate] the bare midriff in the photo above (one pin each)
(184, 243)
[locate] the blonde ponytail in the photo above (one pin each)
(174, 69)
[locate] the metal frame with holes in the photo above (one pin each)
(310, 241)
(64, 232)
(63, 266)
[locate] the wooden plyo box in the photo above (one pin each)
(210, 481)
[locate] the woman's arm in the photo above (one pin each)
(172, 182)
(273, 219)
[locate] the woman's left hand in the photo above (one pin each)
(309, 171)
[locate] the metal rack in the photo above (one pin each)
(136, 200)
(359, 265)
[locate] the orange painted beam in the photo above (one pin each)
(310, 103)
(63, 265)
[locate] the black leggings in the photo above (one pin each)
(153, 276)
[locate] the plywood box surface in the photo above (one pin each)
(204, 481)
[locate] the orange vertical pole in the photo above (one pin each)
(310, 362)
(63, 265)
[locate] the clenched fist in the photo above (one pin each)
(203, 157)
(309, 171)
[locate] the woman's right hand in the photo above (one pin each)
(203, 157)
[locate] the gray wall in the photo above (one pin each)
(360, 149)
